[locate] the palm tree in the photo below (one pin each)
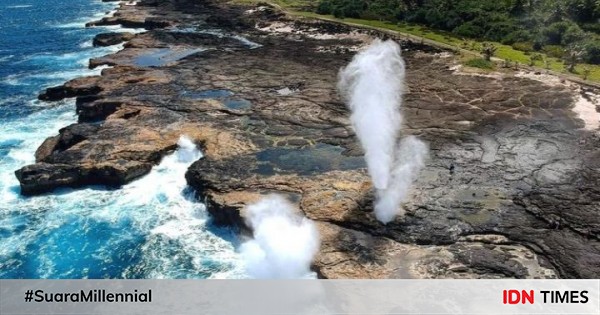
(488, 51)
(573, 57)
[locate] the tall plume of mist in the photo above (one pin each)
(284, 242)
(372, 86)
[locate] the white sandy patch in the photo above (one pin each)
(444, 55)
(460, 70)
(586, 110)
(285, 91)
(277, 27)
(352, 48)
(585, 107)
(548, 79)
(456, 67)
(259, 9)
(284, 28)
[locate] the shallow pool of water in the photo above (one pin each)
(307, 161)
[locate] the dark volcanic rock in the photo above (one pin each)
(72, 88)
(155, 22)
(109, 39)
(511, 188)
(68, 137)
(127, 15)
(41, 177)
(55, 93)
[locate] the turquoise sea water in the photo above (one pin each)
(151, 228)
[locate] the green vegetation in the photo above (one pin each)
(526, 25)
(517, 53)
(480, 63)
(488, 51)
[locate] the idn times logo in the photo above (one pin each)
(547, 297)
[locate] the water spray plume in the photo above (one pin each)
(410, 159)
(372, 86)
(284, 242)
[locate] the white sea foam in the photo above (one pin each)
(6, 58)
(21, 6)
(80, 22)
(12, 79)
(53, 78)
(86, 44)
(77, 24)
(119, 28)
(159, 205)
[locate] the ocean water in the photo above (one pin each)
(151, 228)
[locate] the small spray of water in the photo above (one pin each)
(284, 243)
(187, 152)
(372, 87)
(410, 159)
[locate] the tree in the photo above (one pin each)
(518, 8)
(488, 50)
(557, 12)
(533, 58)
(586, 72)
(592, 51)
(554, 32)
(573, 34)
(573, 57)
(582, 10)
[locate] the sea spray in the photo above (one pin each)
(372, 87)
(410, 159)
(187, 152)
(284, 242)
(153, 227)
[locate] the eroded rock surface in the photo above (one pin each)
(511, 188)
(109, 39)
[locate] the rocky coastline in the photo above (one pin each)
(511, 189)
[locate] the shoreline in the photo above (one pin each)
(227, 97)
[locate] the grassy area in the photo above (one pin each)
(504, 52)
(480, 63)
